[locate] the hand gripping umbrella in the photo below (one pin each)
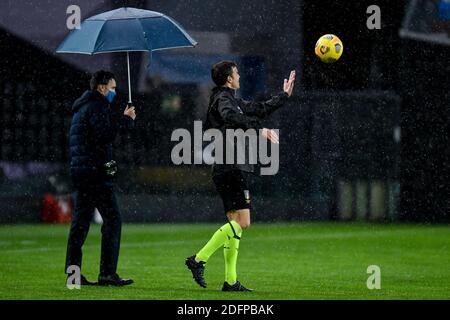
(124, 30)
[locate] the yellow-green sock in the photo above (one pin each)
(230, 253)
(223, 234)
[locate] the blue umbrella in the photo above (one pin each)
(125, 30)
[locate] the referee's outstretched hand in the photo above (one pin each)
(288, 85)
(271, 135)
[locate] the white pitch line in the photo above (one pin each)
(338, 236)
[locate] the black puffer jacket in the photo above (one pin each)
(92, 132)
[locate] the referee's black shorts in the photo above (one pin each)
(233, 189)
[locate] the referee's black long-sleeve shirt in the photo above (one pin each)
(226, 111)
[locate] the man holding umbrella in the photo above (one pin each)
(92, 132)
(122, 30)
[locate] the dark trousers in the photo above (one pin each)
(86, 199)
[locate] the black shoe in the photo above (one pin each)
(84, 281)
(197, 269)
(113, 280)
(235, 287)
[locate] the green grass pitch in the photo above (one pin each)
(286, 261)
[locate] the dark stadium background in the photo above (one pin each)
(365, 138)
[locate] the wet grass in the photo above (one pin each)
(281, 261)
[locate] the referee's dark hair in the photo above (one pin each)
(221, 71)
(100, 77)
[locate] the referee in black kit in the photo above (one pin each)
(92, 132)
(226, 111)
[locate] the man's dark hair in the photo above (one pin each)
(221, 71)
(100, 77)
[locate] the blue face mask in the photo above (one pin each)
(111, 95)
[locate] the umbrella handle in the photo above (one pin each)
(129, 82)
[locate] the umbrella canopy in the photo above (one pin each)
(124, 30)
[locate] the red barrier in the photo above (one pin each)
(56, 209)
